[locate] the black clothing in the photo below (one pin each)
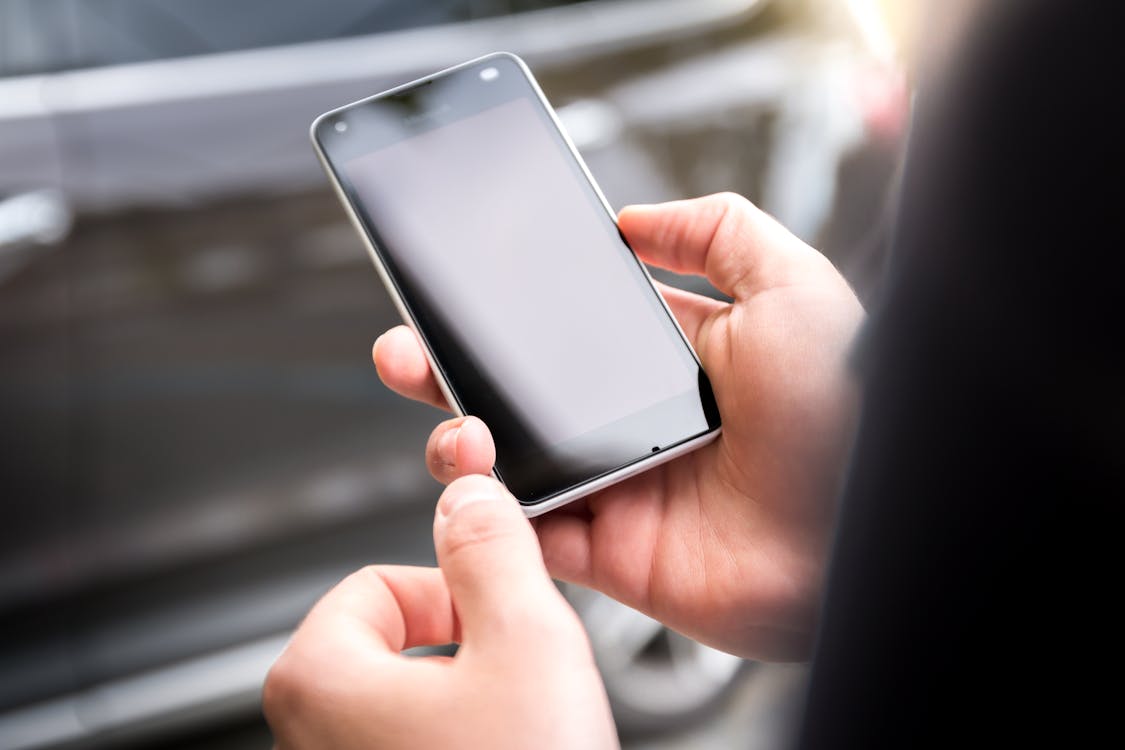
(971, 593)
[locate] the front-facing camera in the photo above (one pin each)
(489, 74)
(340, 126)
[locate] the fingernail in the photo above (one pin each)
(474, 430)
(466, 491)
(447, 446)
(375, 347)
(638, 208)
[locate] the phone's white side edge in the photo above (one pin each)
(624, 473)
(384, 275)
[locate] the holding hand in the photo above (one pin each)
(726, 544)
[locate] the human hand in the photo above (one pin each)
(727, 544)
(524, 675)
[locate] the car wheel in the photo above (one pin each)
(656, 679)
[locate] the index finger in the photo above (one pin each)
(386, 607)
(345, 656)
(401, 363)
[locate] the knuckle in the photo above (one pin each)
(731, 210)
(730, 197)
(282, 690)
(731, 203)
(365, 576)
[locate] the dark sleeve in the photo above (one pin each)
(972, 592)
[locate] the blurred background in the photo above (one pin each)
(194, 442)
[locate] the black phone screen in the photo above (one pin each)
(538, 314)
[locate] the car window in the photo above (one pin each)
(39, 36)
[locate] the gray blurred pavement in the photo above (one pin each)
(758, 716)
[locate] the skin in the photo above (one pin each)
(726, 545)
(523, 676)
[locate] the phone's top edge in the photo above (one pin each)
(316, 123)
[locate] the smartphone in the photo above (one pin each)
(503, 255)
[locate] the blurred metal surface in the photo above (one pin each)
(182, 130)
(662, 681)
(209, 688)
(29, 222)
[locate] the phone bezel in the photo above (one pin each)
(595, 483)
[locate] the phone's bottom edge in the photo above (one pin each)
(630, 470)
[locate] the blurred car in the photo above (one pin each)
(195, 444)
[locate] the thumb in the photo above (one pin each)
(492, 564)
(736, 245)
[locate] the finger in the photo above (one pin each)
(738, 247)
(458, 447)
(691, 310)
(492, 564)
(587, 546)
(567, 542)
(349, 647)
(401, 363)
(386, 608)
